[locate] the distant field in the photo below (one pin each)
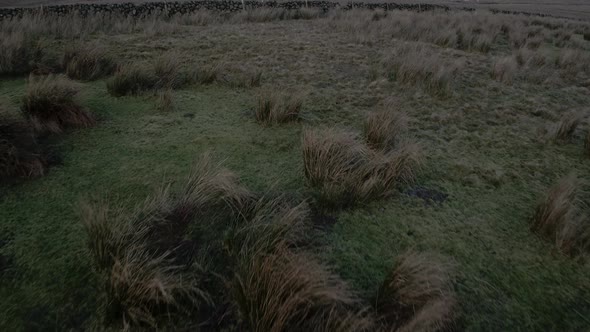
(579, 9)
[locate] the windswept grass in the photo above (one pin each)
(561, 217)
(87, 63)
(417, 295)
(284, 291)
(50, 104)
(417, 65)
(19, 54)
(383, 128)
(138, 254)
(20, 155)
(343, 171)
(276, 108)
(565, 128)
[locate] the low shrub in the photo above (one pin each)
(417, 295)
(50, 105)
(87, 63)
(20, 155)
(275, 108)
(559, 217)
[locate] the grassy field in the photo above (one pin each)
(487, 100)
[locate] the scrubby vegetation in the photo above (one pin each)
(400, 196)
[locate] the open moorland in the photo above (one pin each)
(294, 170)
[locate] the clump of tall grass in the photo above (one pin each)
(20, 155)
(50, 104)
(275, 107)
(19, 54)
(504, 69)
(87, 63)
(138, 254)
(277, 287)
(417, 65)
(417, 294)
(241, 77)
(344, 171)
(131, 80)
(134, 79)
(565, 128)
(560, 218)
(383, 128)
(164, 101)
(284, 291)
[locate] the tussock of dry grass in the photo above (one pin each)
(343, 171)
(50, 105)
(418, 65)
(504, 69)
(164, 102)
(285, 290)
(20, 155)
(87, 63)
(565, 128)
(241, 77)
(560, 218)
(276, 107)
(417, 295)
(382, 128)
(587, 144)
(18, 53)
(137, 253)
(131, 80)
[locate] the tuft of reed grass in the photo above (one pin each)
(131, 80)
(560, 218)
(87, 63)
(504, 69)
(164, 102)
(565, 128)
(19, 54)
(276, 108)
(241, 77)
(417, 294)
(20, 155)
(50, 105)
(417, 65)
(587, 144)
(343, 171)
(137, 254)
(382, 128)
(284, 291)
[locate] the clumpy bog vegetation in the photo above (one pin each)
(275, 170)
